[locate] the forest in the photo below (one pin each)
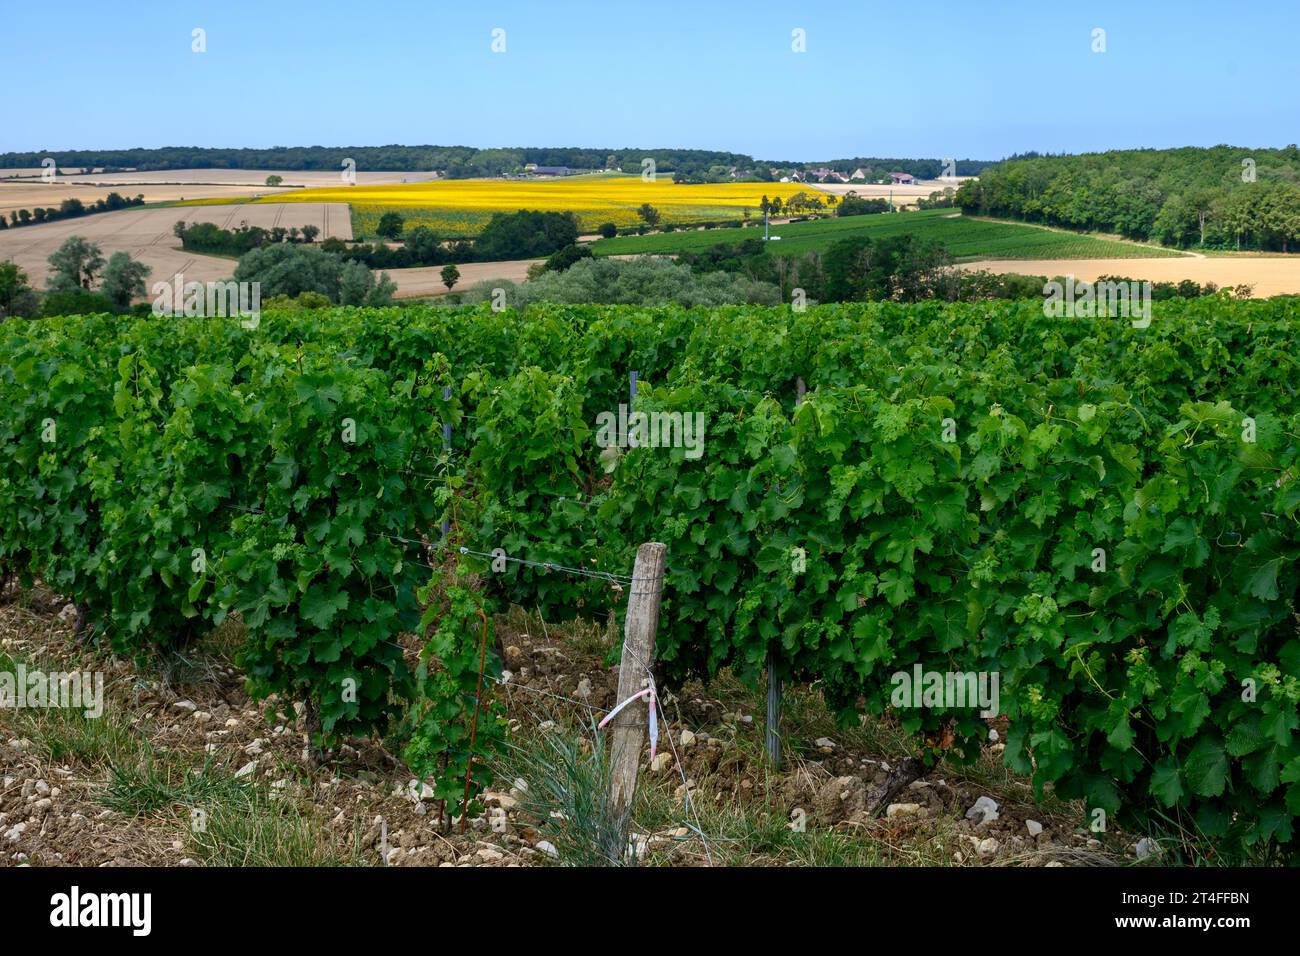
(1223, 197)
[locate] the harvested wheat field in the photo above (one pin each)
(247, 177)
(27, 194)
(147, 235)
(1266, 275)
(23, 188)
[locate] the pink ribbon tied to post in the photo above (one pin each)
(649, 694)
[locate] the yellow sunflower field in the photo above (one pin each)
(462, 206)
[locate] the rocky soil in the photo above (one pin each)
(366, 808)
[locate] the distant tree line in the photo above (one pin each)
(855, 205)
(455, 161)
(421, 247)
(1221, 197)
(519, 235)
(685, 165)
(211, 238)
(526, 234)
(901, 268)
(68, 209)
(945, 198)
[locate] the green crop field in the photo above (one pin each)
(964, 238)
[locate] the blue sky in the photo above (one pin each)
(979, 80)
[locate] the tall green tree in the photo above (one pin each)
(124, 279)
(74, 265)
(283, 269)
(390, 226)
(424, 245)
(1280, 214)
(1238, 214)
(1177, 223)
(17, 297)
(359, 286)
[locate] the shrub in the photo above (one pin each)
(75, 302)
(642, 281)
(561, 260)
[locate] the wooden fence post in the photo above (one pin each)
(772, 736)
(628, 728)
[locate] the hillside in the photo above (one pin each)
(963, 237)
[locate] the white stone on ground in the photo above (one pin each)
(985, 810)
